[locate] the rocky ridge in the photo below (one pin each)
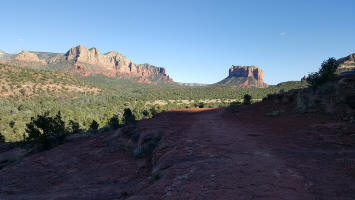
(347, 62)
(26, 56)
(85, 62)
(114, 64)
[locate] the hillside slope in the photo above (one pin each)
(27, 83)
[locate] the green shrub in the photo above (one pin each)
(113, 122)
(233, 106)
(46, 131)
(128, 116)
(94, 126)
(75, 127)
(2, 138)
(247, 99)
(325, 73)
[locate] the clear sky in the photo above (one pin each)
(196, 40)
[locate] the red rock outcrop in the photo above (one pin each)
(247, 71)
(347, 62)
(26, 56)
(115, 64)
(244, 76)
(85, 62)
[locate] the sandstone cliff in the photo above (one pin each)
(347, 62)
(114, 64)
(26, 56)
(85, 62)
(244, 76)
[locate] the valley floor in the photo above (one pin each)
(203, 154)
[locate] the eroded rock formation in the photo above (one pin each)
(26, 56)
(246, 71)
(115, 64)
(347, 62)
(244, 76)
(83, 61)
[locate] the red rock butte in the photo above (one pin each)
(246, 71)
(244, 76)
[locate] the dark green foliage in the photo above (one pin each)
(75, 127)
(46, 131)
(325, 73)
(94, 126)
(128, 116)
(247, 99)
(2, 138)
(155, 110)
(113, 122)
(201, 105)
(233, 107)
(12, 124)
(233, 81)
(146, 113)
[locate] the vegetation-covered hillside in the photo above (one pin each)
(22, 83)
(25, 93)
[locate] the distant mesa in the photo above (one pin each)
(244, 76)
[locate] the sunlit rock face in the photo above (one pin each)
(82, 61)
(244, 76)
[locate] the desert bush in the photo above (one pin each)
(75, 127)
(128, 116)
(247, 99)
(325, 73)
(46, 131)
(94, 126)
(2, 138)
(233, 106)
(113, 122)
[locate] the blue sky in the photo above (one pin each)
(196, 40)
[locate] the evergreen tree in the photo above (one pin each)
(325, 73)
(128, 116)
(46, 130)
(114, 122)
(247, 99)
(2, 138)
(75, 127)
(94, 126)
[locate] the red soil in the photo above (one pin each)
(203, 154)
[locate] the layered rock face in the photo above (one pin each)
(83, 61)
(347, 62)
(115, 64)
(26, 56)
(244, 76)
(246, 71)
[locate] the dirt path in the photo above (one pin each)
(218, 158)
(203, 154)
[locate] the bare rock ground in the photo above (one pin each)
(203, 154)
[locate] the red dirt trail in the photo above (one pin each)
(203, 154)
